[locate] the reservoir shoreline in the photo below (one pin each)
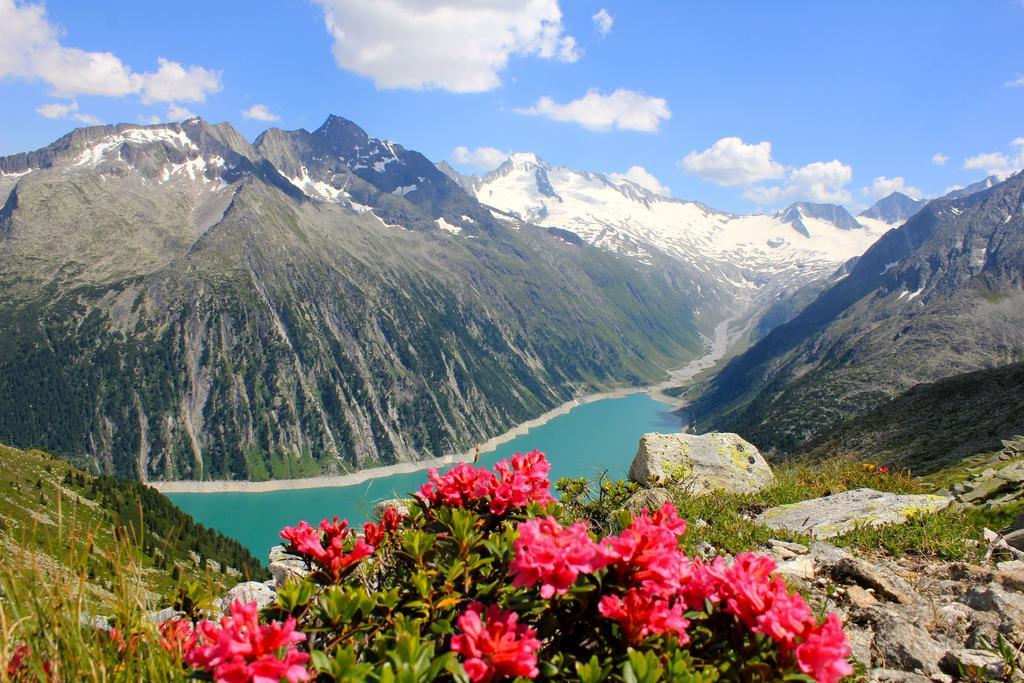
(717, 347)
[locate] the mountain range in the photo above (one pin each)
(940, 296)
(751, 259)
(180, 303)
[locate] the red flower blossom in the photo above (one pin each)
(646, 552)
(495, 645)
(375, 533)
(705, 583)
(553, 556)
(747, 589)
(824, 652)
(640, 614)
(240, 649)
(787, 619)
(460, 486)
(523, 481)
(326, 546)
(178, 636)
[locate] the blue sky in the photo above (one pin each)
(843, 92)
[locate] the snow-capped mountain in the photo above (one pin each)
(893, 209)
(753, 255)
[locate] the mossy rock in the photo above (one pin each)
(700, 464)
(842, 512)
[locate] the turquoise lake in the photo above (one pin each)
(586, 441)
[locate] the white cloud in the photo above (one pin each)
(730, 161)
(66, 110)
(603, 21)
(259, 112)
(1017, 82)
(939, 159)
(883, 187)
(622, 109)
(30, 49)
(481, 158)
(819, 181)
(999, 164)
(172, 81)
(642, 177)
(179, 113)
(456, 45)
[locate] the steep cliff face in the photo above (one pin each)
(939, 296)
(178, 303)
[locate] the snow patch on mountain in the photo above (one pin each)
(745, 253)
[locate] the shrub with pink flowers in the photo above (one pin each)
(485, 578)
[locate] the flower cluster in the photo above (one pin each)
(655, 584)
(328, 546)
(375, 533)
(495, 645)
(239, 648)
(514, 484)
(646, 559)
(554, 556)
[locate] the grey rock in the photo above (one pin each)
(401, 504)
(1009, 605)
(160, 616)
(795, 548)
(249, 591)
(904, 645)
(284, 566)
(885, 582)
(841, 512)
(975, 664)
(702, 464)
(650, 499)
(860, 598)
(860, 643)
(827, 555)
(798, 568)
(894, 676)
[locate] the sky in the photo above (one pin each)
(745, 106)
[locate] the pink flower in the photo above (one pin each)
(460, 486)
(787, 619)
(240, 649)
(747, 589)
(390, 521)
(177, 636)
(705, 583)
(646, 552)
(494, 645)
(326, 546)
(640, 614)
(553, 556)
(523, 481)
(824, 652)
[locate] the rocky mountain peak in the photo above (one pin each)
(797, 213)
(895, 208)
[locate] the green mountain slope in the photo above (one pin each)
(56, 517)
(177, 307)
(934, 426)
(939, 296)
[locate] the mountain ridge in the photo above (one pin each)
(186, 311)
(938, 296)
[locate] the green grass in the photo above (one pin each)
(64, 522)
(949, 534)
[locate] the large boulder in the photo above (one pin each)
(704, 463)
(841, 512)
